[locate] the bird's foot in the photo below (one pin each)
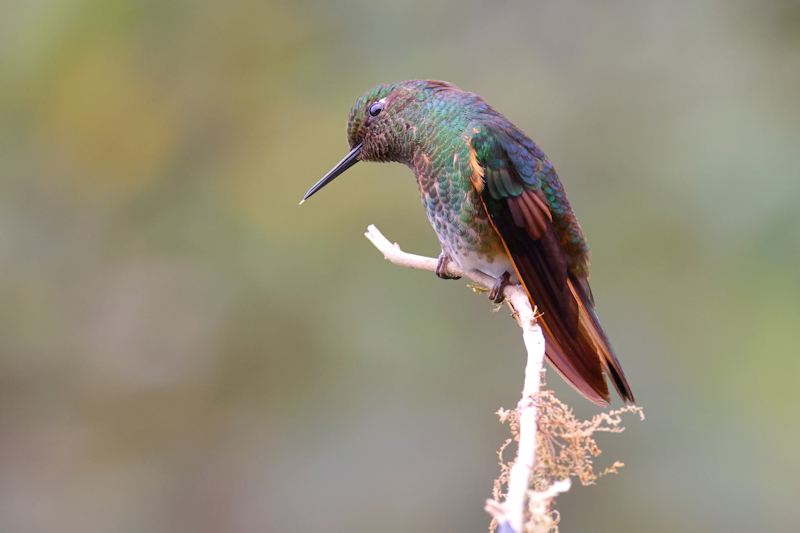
(441, 267)
(496, 294)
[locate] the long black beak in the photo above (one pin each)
(348, 161)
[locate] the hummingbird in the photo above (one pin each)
(498, 207)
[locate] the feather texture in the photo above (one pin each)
(520, 213)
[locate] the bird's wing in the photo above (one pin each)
(514, 169)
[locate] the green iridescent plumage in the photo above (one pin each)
(497, 206)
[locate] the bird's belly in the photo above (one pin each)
(465, 232)
(475, 247)
(493, 266)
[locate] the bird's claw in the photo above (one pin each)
(441, 267)
(496, 294)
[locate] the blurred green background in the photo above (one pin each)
(184, 349)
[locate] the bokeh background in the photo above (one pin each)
(185, 349)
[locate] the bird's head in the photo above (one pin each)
(388, 122)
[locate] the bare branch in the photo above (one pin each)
(511, 512)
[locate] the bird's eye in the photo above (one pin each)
(375, 109)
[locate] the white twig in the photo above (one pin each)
(511, 512)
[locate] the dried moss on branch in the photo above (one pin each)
(552, 444)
